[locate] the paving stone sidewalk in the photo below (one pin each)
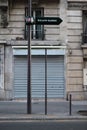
(56, 109)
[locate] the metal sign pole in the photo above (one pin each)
(29, 22)
(45, 81)
(29, 62)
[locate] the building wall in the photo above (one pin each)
(15, 28)
(68, 33)
(6, 71)
(75, 61)
(1, 71)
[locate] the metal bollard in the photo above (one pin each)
(70, 104)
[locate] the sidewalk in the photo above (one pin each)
(56, 110)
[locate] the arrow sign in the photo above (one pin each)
(48, 20)
(43, 20)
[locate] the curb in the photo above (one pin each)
(40, 117)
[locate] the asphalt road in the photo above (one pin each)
(44, 125)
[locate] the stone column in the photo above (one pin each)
(8, 74)
(63, 25)
(2, 94)
(63, 34)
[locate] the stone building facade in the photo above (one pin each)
(65, 44)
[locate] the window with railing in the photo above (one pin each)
(84, 34)
(37, 31)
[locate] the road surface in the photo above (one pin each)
(44, 125)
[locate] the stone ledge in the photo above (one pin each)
(38, 43)
(84, 46)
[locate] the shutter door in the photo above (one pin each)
(55, 74)
(20, 77)
(38, 77)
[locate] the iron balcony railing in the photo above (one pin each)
(84, 38)
(35, 35)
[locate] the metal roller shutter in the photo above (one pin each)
(55, 76)
(20, 77)
(38, 77)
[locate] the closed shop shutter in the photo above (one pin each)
(55, 76)
(20, 77)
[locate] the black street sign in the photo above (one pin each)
(48, 20)
(43, 20)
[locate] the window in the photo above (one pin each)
(84, 35)
(37, 31)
